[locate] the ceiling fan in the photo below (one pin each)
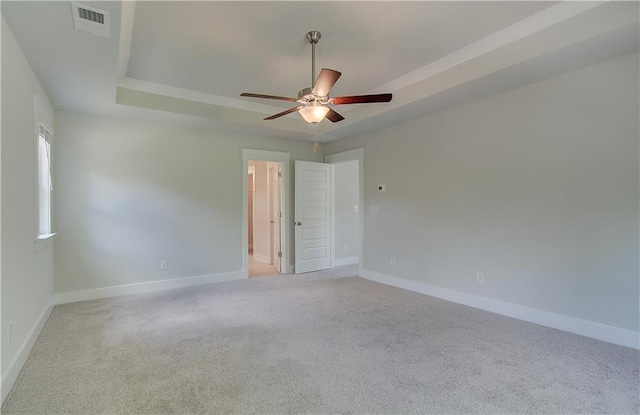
(315, 101)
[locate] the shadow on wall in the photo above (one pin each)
(133, 214)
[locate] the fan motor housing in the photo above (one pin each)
(306, 94)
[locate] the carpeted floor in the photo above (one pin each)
(313, 344)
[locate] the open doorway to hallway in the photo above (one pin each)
(264, 217)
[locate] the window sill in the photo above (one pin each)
(44, 240)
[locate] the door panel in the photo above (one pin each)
(313, 208)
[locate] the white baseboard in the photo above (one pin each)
(587, 328)
(262, 258)
(15, 366)
(144, 287)
(345, 261)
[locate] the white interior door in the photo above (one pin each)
(312, 219)
(274, 182)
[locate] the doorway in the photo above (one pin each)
(285, 224)
(347, 195)
(328, 218)
(345, 220)
(264, 217)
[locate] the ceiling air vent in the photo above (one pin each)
(90, 20)
(91, 15)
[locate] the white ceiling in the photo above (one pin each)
(228, 48)
(188, 62)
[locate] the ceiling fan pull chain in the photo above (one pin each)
(315, 144)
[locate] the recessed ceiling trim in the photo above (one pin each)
(190, 95)
(553, 28)
(524, 28)
(584, 26)
(88, 19)
(126, 34)
(177, 105)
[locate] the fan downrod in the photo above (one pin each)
(313, 37)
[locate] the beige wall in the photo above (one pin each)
(27, 269)
(133, 193)
(536, 187)
(347, 222)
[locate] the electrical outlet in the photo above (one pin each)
(480, 277)
(346, 247)
(356, 208)
(164, 265)
(10, 332)
(392, 262)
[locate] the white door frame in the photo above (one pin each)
(350, 155)
(274, 184)
(285, 229)
(252, 171)
(270, 212)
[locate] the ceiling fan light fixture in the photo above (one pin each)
(315, 101)
(314, 113)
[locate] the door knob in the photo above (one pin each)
(298, 223)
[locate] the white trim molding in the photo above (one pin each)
(145, 287)
(611, 334)
(14, 368)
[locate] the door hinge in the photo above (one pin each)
(280, 214)
(279, 254)
(279, 174)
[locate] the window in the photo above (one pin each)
(45, 184)
(43, 166)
